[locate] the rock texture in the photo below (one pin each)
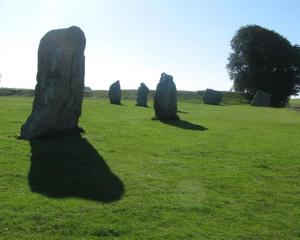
(60, 84)
(114, 93)
(142, 95)
(212, 97)
(261, 99)
(165, 99)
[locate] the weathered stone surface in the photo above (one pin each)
(114, 93)
(142, 95)
(60, 84)
(165, 99)
(212, 97)
(261, 99)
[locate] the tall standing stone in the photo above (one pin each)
(60, 84)
(142, 95)
(114, 93)
(165, 99)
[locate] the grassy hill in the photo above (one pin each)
(222, 172)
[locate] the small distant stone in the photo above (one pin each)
(142, 95)
(212, 97)
(165, 99)
(114, 93)
(87, 89)
(261, 99)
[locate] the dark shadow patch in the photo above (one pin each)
(181, 111)
(185, 125)
(71, 167)
(119, 104)
(216, 105)
(142, 106)
(263, 166)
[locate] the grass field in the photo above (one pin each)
(295, 103)
(222, 172)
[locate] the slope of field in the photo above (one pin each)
(221, 172)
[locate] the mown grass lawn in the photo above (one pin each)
(223, 172)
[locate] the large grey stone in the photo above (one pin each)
(165, 99)
(60, 84)
(142, 95)
(114, 93)
(212, 97)
(261, 99)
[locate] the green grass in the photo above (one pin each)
(223, 172)
(295, 103)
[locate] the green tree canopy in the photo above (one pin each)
(264, 60)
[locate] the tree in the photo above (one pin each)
(264, 60)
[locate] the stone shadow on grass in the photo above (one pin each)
(181, 111)
(185, 125)
(70, 167)
(119, 104)
(142, 106)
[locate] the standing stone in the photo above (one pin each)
(165, 99)
(212, 97)
(60, 84)
(261, 99)
(142, 95)
(114, 93)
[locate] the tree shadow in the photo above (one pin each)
(185, 125)
(70, 167)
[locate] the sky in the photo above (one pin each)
(135, 41)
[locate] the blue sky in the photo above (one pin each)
(134, 41)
